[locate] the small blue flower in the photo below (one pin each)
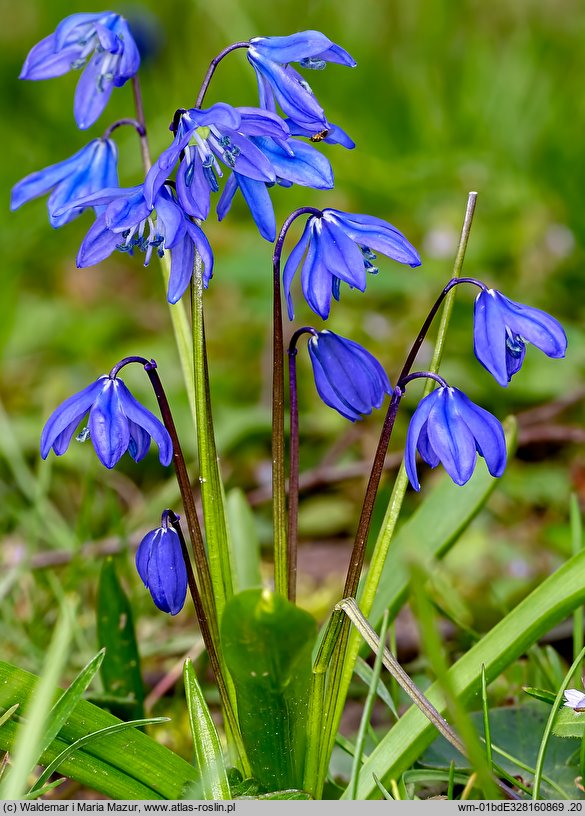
(160, 564)
(502, 328)
(447, 427)
(339, 248)
(94, 167)
(129, 223)
(203, 139)
(279, 82)
(117, 423)
(293, 162)
(104, 41)
(348, 378)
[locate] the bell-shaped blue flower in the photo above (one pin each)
(279, 82)
(94, 167)
(348, 378)
(103, 41)
(205, 139)
(129, 223)
(160, 564)
(501, 329)
(447, 427)
(294, 162)
(338, 248)
(117, 423)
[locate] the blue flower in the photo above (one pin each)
(117, 423)
(447, 427)
(203, 139)
(104, 41)
(279, 82)
(94, 167)
(502, 328)
(293, 162)
(348, 378)
(160, 564)
(129, 223)
(339, 248)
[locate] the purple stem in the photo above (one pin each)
(211, 70)
(293, 468)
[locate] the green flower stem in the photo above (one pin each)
(212, 493)
(349, 643)
(450, 298)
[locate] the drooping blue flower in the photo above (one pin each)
(294, 162)
(348, 378)
(502, 328)
(279, 82)
(447, 427)
(104, 41)
(94, 167)
(160, 564)
(117, 423)
(129, 223)
(339, 248)
(203, 139)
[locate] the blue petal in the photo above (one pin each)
(130, 59)
(327, 393)
(67, 27)
(258, 200)
(99, 170)
(67, 417)
(333, 135)
(171, 217)
(167, 573)
(417, 423)
(163, 167)
(451, 438)
(291, 48)
(92, 93)
(487, 431)
(126, 211)
(250, 160)
(139, 444)
(182, 261)
(144, 554)
(39, 183)
(141, 416)
(293, 98)
(489, 337)
(533, 325)
(44, 61)
(306, 166)
(377, 234)
(108, 425)
(354, 374)
(259, 122)
(98, 244)
(341, 256)
(316, 280)
(221, 115)
(337, 54)
(292, 265)
(193, 194)
(203, 248)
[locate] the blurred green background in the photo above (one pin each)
(447, 97)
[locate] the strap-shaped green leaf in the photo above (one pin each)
(267, 643)
(128, 765)
(206, 742)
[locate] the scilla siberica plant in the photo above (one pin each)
(281, 723)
